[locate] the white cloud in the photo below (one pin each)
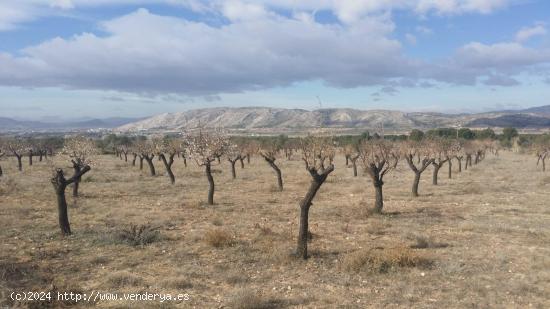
(144, 52)
(238, 10)
(500, 55)
(147, 53)
(13, 13)
(528, 32)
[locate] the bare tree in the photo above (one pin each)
(352, 153)
(124, 150)
(379, 157)
(425, 158)
(167, 148)
(205, 148)
(234, 154)
(454, 150)
(542, 151)
(440, 149)
(318, 154)
(17, 149)
(270, 153)
(60, 183)
(146, 150)
(79, 151)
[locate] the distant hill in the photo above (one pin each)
(280, 120)
(265, 120)
(10, 125)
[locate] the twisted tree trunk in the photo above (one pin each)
(354, 164)
(277, 170)
(305, 204)
(233, 162)
(210, 183)
(60, 184)
(76, 183)
(149, 160)
(168, 165)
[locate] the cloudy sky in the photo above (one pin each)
(102, 58)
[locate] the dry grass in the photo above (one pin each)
(218, 238)
(138, 235)
(238, 253)
(379, 260)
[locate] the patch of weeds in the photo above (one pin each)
(138, 235)
(384, 260)
(218, 238)
(246, 299)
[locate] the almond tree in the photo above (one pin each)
(123, 150)
(251, 148)
(440, 149)
(425, 158)
(167, 148)
(379, 157)
(17, 149)
(60, 183)
(79, 150)
(454, 151)
(146, 150)
(317, 154)
(542, 151)
(205, 148)
(234, 154)
(351, 153)
(270, 153)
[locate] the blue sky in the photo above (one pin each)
(83, 58)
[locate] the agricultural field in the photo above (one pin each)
(478, 240)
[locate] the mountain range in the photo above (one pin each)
(280, 120)
(265, 120)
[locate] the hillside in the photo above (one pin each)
(264, 119)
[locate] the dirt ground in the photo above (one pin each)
(479, 240)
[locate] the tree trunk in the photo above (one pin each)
(233, 174)
(77, 180)
(450, 168)
(149, 161)
(459, 164)
(30, 158)
(379, 200)
(19, 163)
(40, 155)
(125, 157)
(277, 171)
(185, 161)
(347, 160)
(544, 164)
(242, 161)
(248, 158)
(416, 183)
(62, 211)
(435, 173)
(354, 164)
(141, 163)
(168, 166)
(210, 184)
(301, 250)
(1, 173)
(60, 184)
(134, 160)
